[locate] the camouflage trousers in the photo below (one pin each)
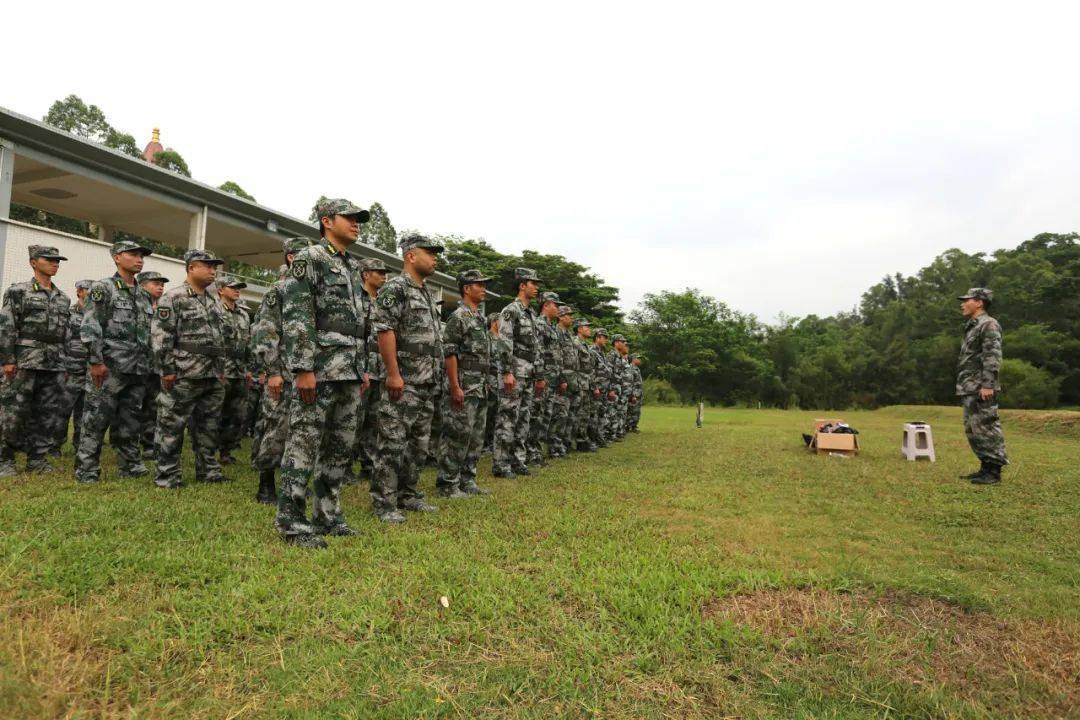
(72, 409)
(195, 403)
(566, 425)
(585, 419)
(560, 415)
(233, 411)
(622, 412)
(539, 424)
(272, 428)
(318, 452)
(367, 431)
(149, 411)
(512, 422)
(29, 413)
(116, 406)
(251, 412)
(461, 441)
(492, 409)
(402, 446)
(634, 414)
(983, 429)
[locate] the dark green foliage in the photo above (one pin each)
(88, 121)
(378, 231)
(1026, 386)
(172, 160)
(234, 189)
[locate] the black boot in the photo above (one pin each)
(267, 494)
(977, 473)
(992, 476)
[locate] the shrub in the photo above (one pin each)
(659, 392)
(1026, 386)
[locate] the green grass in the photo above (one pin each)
(682, 573)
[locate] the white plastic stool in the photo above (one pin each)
(918, 442)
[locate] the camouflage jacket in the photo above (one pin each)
(408, 310)
(116, 326)
(980, 356)
(586, 364)
(375, 364)
(602, 370)
(636, 382)
(518, 330)
(550, 355)
(623, 380)
(34, 326)
(568, 360)
(500, 358)
(189, 340)
(267, 344)
(468, 339)
(323, 315)
(236, 327)
(75, 353)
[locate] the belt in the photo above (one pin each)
(419, 348)
(526, 355)
(197, 349)
(352, 329)
(50, 338)
(473, 364)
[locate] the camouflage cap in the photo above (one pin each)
(522, 274)
(295, 244)
(472, 276)
(984, 294)
(582, 322)
(618, 338)
(546, 297)
(340, 206)
(600, 331)
(128, 246)
(373, 265)
(150, 275)
(202, 256)
(416, 240)
(45, 251)
(565, 310)
(84, 284)
(230, 281)
(636, 356)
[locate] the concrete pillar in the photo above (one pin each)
(7, 175)
(197, 230)
(106, 234)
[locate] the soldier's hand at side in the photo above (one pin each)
(248, 381)
(98, 373)
(273, 386)
(457, 397)
(611, 395)
(167, 382)
(395, 385)
(508, 383)
(596, 393)
(986, 393)
(9, 371)
(562, 388)
(305, 386)
(366, 383)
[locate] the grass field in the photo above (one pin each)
(683, 573)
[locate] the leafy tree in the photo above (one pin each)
(88, 121)
(171, 160)
(234, 189)
(379, 231)
(1026, 386)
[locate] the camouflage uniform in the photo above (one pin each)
(462, 437)
(323, 320)
(517, 330)
(367, 432)
(567, 404)
(33, 327)
(153, 381)
(189, 343)
(549, 370)
(584, 422)
(409, 311)
(116, 332)
(636, 392)
(602, 374)
(494, 381)
(267, 350)
(623, 381)
(977, 368)
(75, 378)
(237, 334)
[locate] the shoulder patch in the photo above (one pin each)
(507, 313)
(271, 299)
(97, 295)
(163, 313)
(387, 300)
(299, 269)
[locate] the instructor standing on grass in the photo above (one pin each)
(977, 385)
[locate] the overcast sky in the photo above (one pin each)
(781, 157)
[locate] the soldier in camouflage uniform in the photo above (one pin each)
(116, 332)
(410, 343)
(189, 346)
(494, 379)
(75, 365)
(33, 326)
(623, 376)
(590, 392)
(636, 393)
(237, 329)
(268, 357)
(469, 350)
(153, 283)
(373, 272)
(977, 385)
(323, 319)
(550, 370)
(520, 382)
(567, 403)
(602, 372)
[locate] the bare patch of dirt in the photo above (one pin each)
(923, 642)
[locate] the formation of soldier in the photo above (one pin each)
(339, 366)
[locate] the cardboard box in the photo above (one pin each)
(825, 443)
